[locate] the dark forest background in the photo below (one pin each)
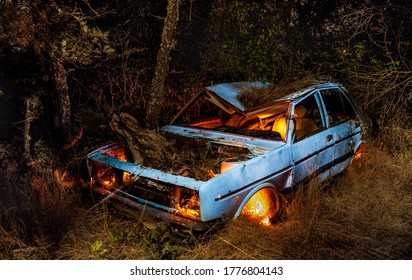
(67, 66)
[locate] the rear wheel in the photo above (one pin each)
(263, 206)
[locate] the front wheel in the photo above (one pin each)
(263, 206)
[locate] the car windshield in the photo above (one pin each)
(267, 122)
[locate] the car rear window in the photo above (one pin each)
(338, 107)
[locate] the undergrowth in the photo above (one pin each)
(363, 213)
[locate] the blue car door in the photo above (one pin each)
(308, 130)
(342, 125)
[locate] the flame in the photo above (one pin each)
(106, 176)
(191, 213)
(260, 207)
(189, 206)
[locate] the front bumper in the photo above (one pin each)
(162, 213)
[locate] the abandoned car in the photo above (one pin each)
(239, 154)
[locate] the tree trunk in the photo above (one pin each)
(62, 115)
(32, 113)
(162, 65)
(27, 137)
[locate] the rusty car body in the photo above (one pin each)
(260, 152)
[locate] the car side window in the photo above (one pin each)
(338, 106)
(307, 118)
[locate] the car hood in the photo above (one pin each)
(257, 146)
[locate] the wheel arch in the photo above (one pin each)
(252, 192)
(361, 146)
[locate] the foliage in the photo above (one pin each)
(98, 250)
(53, 29)
(33, 203)
(363, 45)
(247, 40)
(375, 65)
(83, 44)
(163, 243)
(244, 41)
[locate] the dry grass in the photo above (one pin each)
(98, 234)
(254, 97)
(364, 213)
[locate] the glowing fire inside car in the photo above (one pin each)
(185, 201)
(189, 207)
(261, 206)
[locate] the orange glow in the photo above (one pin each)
(117, 152)
(108, 179)
(260, 207)
(225, 166)
(63, 179)
(190, 207)
(211, 174)
(106, 176)
(360, 152)
(191, 213)
(107, 183)
(121, 155)
(126, 177)
(280, 126)
(265, 221)
(208, 123)
(73, 141)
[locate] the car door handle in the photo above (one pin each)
(329, 138)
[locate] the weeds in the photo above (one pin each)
(98, 250)
(162, 243)
(34, 208)
(364, 213)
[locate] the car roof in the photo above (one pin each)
(230, 92)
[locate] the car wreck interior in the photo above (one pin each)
(267, 123)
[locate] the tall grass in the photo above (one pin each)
(35, 208)
(364, 213)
